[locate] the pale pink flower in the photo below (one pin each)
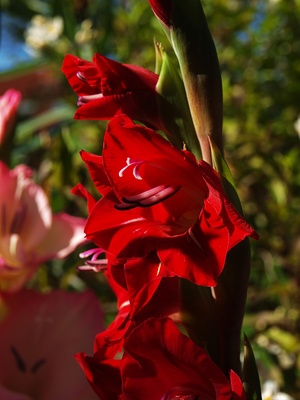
(9, 103)
(39, 336)
(29, 233)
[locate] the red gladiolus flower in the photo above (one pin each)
(159, 296)
(106, 88)
(158, 198)
(163, 364)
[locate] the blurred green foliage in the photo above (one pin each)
(258, 44)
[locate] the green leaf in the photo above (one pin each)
(250, 374)
(173, 105)
(56, 115)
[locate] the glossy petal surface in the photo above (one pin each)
(174, 363)
(191, 228)
(106, 88)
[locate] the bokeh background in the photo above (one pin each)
(258, 44)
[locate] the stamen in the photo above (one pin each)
(95, 252)
(124, 206)
(144, 195)
(85, 99)
(135, 172)
(92, 267)
(81, 76)
(124, 304)
(148, 198)
(159, 197)
(94, 264)
(158, 269)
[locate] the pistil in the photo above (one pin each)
(135, 171)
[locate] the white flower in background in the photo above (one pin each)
(297, 125)
(86, 32)
(270, 391)
(43, 31)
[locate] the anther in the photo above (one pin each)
(95, 264)
(148, 198)
(81, 76)
(19, 360)
(164, 194)
(144, 195)
(85, 99)
(37, 365)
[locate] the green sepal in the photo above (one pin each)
(172, 102)
(221, 166)
(197, 57)
(250, 374)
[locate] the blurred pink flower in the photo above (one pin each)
(39, 336)
(9, 103)
(29, 233)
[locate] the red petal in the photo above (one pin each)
(103, 375)
(120, 78)
(162, 164)
(81, 191)
(94, 164)
(174, 361)
(237, 226)
(152, 289)
(198, 255)
(238, 392)
(71, 66)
